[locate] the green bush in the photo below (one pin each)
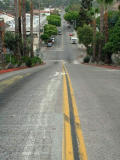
(85, 35)
(11, 59)
(45, 37)
(54, 20)
(28, 62)
(11, 41)
(71, 16)
(36, 60)
(50, 30)
(87, 59)
(31, 61)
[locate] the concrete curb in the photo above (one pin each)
(103, 66)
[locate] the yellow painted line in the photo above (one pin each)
(67, 152)
(5, 83)
(81, 143)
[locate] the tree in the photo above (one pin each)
(113, 17)
(86, 4)
(54, 20)
(16, 16)
(16, 23)
(50, 30)
(45, 37)
(11, 40)
(19, 28)
(85, 35)
(27, 6)
(71, 16)
(83, 18)
(93, 13)
(73, 7)
(101, 3)
(31, 27)
(113, 44)
(24, 25)
(107, 3)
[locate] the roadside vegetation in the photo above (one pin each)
(17, 47)
(98, 28)
(54, 20)
(51, 29)
(12, 58)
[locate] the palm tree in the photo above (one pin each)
(19, 28)
(93, 13)
(103, 20)
(101, 3)
(24, 25)
(31, 27)
(17, 53)
(107, 3)
(16, 15)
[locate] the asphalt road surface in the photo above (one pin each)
(62, 110)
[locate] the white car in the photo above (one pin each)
(53, 40)
(74, 40)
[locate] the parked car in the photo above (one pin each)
(59, 32)
(49, 44)
(69, 26)
(70, 35)
(74, 40)
(52, 39)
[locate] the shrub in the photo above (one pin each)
(28, 62)
(54, 20)
(71, 16)
(86, 59)
(50, 30)
(45, 37)
(36, 60)
(11, 59)
(85, 35)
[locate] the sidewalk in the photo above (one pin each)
(82, 49)
(11, 70)
(104, 66)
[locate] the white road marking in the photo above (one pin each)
(76, 62)
(50, 93)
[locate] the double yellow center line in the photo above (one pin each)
(73, 142)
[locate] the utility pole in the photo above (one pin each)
(31, 27)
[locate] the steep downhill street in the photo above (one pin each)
(60, 110)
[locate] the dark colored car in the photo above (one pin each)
(49, 44)
(59, 32)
